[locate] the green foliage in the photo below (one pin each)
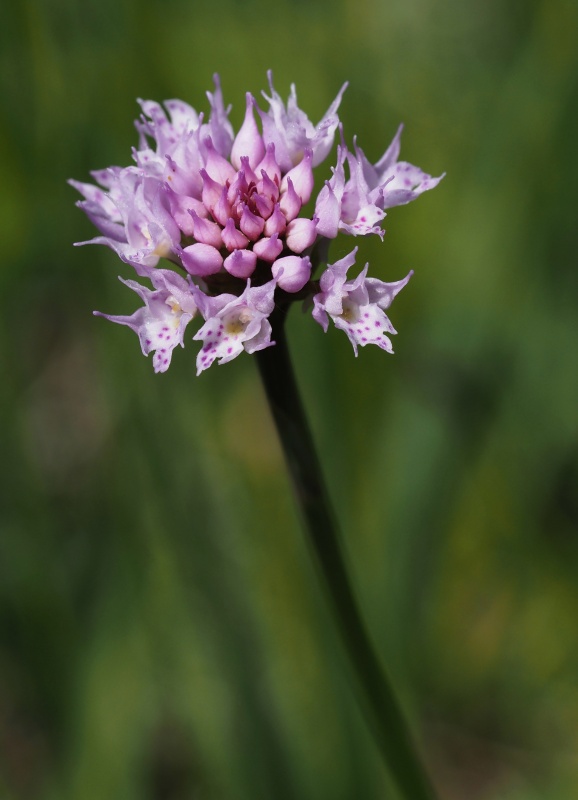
(163, 636)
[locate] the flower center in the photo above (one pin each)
(163, 249)
(237, 322)
(350, 311)
(174, 305)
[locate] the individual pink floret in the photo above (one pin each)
(356, 306)
(234, 324)
(160, 324)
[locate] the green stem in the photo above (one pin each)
(376, 694)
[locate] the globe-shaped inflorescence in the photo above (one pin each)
(226, 214)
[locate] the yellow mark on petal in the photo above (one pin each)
(236, 323)
(297, 157)
(350, 311)
(174, 305)
(162, 250)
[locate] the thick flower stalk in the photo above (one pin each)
(225, 213)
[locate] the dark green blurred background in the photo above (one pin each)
(162, 633)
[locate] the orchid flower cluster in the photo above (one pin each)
(226, 213)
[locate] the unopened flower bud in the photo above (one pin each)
(248, 170)
(270, 165)
(241, 263)
(248, 141)
(268, 187)
(201, 259)
(251, 225)
(292, 272)
(232, 238)
(302, 178)
(327, 211)
(237, 188)
(290, 202)
(300, 234)
(276, 222)
(211, 190)
(205, 231)
(222, 209)
(264, 205)
(218, 167)
(268, 249)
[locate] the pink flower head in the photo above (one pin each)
(227, 212)
(356, 306)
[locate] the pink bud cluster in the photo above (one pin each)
(249, 213)
(226, 212)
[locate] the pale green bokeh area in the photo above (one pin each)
(162, 635)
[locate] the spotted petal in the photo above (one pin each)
(160, 324)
